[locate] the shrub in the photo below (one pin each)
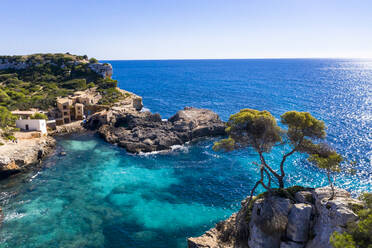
(39, 116)
(78, 84)
(358, 234)
(93, 60)
(6, 117)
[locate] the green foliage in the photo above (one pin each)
(6, 118)
(93, 60)
(226, 145)
(259, 130)
(252, 128)
(301, 125)
(39, 116)
(110, 96)
(107, 83)
(76, 84)
(47, 77)
(342, 240)
(358, 234)
(329, 160)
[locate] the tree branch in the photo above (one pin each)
(268, 167)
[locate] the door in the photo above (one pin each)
(27, 127)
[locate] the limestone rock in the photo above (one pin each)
(276, 222)
(332, 215)
(268, 222)
(16, 157)
(104, 70)
(299, 222)
(304, 197)
(290, 244)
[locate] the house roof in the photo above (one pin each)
(23, 112)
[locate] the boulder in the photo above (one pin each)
(299, 222)
(332, 215)
(268, 222)
(304, 197)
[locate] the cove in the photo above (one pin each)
(100, 196)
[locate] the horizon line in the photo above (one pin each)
(258, 58)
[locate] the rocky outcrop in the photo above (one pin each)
(304, 220)
(146, 132)
(24, 62)
(70, 128)
(16, 157)
(105, 70)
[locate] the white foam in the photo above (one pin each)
(174, 148)
(144, 109)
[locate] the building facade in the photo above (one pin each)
(32, 125)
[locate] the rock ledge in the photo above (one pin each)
(305, 221)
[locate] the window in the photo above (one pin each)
(64, 107)
(65, 113)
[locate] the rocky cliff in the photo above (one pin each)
(146, 132)
(105, 70)
(27, 61)
(16, 157)
(302, 219)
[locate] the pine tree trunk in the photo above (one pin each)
(281, 182)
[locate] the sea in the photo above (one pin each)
(100, 196)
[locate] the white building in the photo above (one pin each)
(32, 125)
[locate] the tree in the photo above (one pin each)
(39, 116)
(6, 117)
(326, 158)
(259, 130)
(93, 61)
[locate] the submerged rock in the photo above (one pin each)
(276, 222)
(146, 132)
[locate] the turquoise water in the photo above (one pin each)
(100, 196)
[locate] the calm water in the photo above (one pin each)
(99, 196)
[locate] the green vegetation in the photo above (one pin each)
(39, 116)
(260, 131)
(41, 78)
(93, 60)
(358, 234)
(326, 158)
(6, 118)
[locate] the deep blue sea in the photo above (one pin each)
(100, 196)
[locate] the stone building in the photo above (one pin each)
(76, 107)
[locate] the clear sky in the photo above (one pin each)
(176, 29)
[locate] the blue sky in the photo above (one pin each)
(165, 29)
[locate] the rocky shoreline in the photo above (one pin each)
(147, 132)
(306, 219)
(122, 124)
(24, 155)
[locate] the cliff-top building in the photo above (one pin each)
(73, 107)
